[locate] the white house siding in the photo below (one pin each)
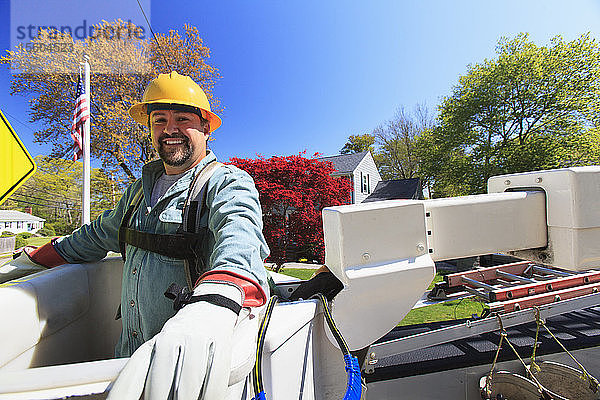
(367, 170)
(21, 226)
(356, 167)
(17, 222)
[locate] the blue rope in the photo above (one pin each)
(354, 386)
(260, 396)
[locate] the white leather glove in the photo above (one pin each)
(19, 267)
(190, 357)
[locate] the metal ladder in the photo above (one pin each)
(517, 286)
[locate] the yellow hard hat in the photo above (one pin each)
(174, 90)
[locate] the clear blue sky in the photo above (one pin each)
(304, 75)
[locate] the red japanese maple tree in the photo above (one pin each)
(293, 191)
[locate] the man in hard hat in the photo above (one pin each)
(221, 261)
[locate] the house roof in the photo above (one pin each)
(13, 215)
(345, 163)
(396, 189)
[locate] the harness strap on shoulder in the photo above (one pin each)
(125, 222)
(196, 199)
(194, 207)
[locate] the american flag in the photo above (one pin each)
(80, 115)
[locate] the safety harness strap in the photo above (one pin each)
(196, 199)
(183, 244)
(180, 246)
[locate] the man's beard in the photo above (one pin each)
(177, 156)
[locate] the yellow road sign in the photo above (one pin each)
(16, 165)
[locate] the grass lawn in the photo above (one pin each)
(455, 309)
(449, 310)
(300, 273)
(38, 241)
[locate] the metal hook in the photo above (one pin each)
(500, 323)
(538, 316)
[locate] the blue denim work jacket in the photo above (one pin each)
(235, 243)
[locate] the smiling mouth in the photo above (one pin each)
(173, 141)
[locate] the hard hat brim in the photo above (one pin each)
(138, 113)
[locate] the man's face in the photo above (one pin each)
(180, 139)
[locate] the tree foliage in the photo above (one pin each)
(293, 191)
(532, 107)
(358, 144)
(54, 193)
(393, 143)
(121, 68)
(396, 155)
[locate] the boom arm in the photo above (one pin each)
(384, 252)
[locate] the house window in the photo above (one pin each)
(361, 182)
(365, 183)
(19, 224)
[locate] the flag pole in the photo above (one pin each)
(85, 196)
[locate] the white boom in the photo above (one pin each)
(384, 252)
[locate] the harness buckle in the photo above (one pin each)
(180, 295)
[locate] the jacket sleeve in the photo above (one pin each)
(235, 220)
(92, 241)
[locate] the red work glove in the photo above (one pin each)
(254, 295)
(30, 260)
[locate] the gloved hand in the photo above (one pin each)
(20, 266)
(191, 355)
(31, 260)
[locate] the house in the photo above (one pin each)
(360, 168)
(17, 222)
(397, 189)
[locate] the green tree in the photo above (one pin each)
(121, 68)
(396, 155)
(358, 144)
(54, 193)
(531, 107)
